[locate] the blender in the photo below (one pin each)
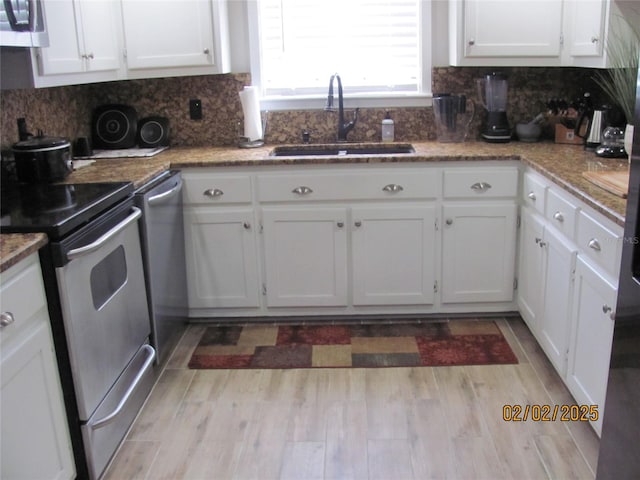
(492, 90)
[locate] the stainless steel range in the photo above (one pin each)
(97, 303)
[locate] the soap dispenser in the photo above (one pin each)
(387, 128)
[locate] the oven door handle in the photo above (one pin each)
(161, 197)
(136, 213)
(107, 419)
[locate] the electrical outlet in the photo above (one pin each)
(195, 109)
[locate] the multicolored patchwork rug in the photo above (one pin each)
(457, 342)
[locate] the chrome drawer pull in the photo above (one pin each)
(246, 225)
(558, 216)
(6, 318)
(340, 224)
(213, 193)
(302, 190)
(594, 244)
(358, 223)
(393, 188)
(606, 308)
(481, 186)
(532, 196)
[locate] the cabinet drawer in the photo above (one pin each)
(348, 186)
(481, 182)
(21, 295)
(215, 189)
(561, 213)
(533, 192)
(599, 242)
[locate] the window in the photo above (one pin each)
(376, 46)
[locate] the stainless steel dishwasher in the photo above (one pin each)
(163, 256)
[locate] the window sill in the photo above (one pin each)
(318, 102)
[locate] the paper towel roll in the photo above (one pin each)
(251, 109)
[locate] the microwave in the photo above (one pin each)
(22, 24)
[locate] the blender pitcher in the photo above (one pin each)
(492, 92)
(452, 117)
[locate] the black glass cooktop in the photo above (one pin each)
(57, 209)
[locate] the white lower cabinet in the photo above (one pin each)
(305, 256)
(478, 252)
(554, 325)
(35, 437)
(221, 256)
(531, 272)
(591, 336)
(567, 289)
(393, 249)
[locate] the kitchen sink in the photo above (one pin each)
(342, 149)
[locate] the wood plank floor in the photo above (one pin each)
(393, 423)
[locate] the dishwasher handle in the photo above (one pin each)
(107, 419)
(161, 197)
(136, 213)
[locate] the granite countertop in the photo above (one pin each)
(562, 164)
(18, 246)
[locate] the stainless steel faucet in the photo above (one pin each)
(343, 128)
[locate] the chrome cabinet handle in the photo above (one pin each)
(594, 244)
(481, 186)
(302, 190)
(471, 42)
(595, 39)
(151, 355)
(6, 318)
(213, 192)
(532, 196)
(90, 55)
(246, 225)
(340, 224)
(358, 223)
(135, 214)
(538, 240)
(542, 244)
(606, 308)
(558, 216)
(206, 51)
(393, 188)
(449, 221)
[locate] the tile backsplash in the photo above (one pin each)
(66, 111)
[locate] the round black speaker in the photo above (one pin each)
(114, 126)
(153, 132)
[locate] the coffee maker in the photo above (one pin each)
(492, 91)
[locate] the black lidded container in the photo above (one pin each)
(42, 159)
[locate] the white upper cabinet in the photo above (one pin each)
(85, 43)
(585, 28)
(532, 32)
(186, 36)
(489, 32)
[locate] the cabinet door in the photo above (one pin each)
(101, 34)
(591, 337)
(393, 251)
(555, 322)
(168, 34)
(585, 27)
(65, 51)
(220, 249)
(35, 441)
(305, 256)
(531, 269)
(478, 252)
(522, 28)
